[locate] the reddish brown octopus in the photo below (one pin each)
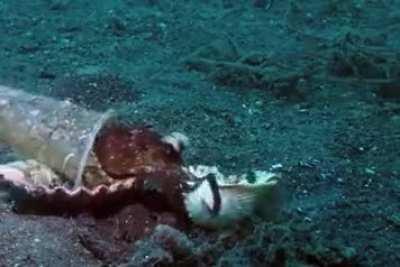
(125, 151)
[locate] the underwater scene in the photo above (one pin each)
(200, 133)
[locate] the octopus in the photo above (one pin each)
(124, 151)
(127, 151)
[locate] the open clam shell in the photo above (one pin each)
(43, 185)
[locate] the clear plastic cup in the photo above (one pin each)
(56, 133)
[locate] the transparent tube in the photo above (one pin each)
(56, 133)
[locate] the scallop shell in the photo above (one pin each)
(42, 184)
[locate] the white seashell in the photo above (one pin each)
(239, 197)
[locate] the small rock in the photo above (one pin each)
(164, 246)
